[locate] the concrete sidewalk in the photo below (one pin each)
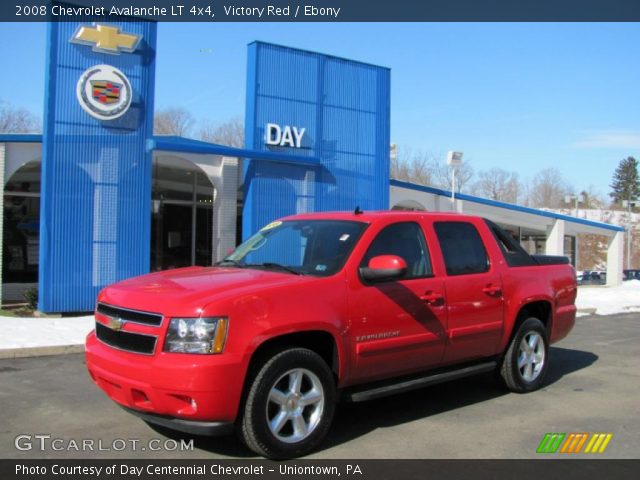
(39, 336)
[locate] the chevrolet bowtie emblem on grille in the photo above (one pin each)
(106, 39)
(115, 323)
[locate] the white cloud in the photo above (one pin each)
(609, 139)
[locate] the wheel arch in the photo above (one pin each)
(321, 342)
(540, 308)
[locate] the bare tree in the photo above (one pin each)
(399, 165)
(173, 121)
(17, 120)
(442, 175)
(498, 184)
(230, 133)
(548, 189)
(592, 199)
(425, 168)
(410, 166)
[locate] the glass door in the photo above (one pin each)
(182, 215)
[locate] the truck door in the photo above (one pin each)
(474, 293)
(397, 326)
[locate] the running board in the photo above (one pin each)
(391, 387)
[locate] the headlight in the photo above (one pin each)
(196, 335)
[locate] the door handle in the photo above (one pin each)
(432, 298)
(493, 290)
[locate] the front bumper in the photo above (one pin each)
(169, 389)
(192, 427)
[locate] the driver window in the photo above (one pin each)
(406, 241)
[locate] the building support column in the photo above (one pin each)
(615, 255)
(225, 210)
(555, 238)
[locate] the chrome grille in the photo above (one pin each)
(127, 341)
(135, 316)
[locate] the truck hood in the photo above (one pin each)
(186, 291)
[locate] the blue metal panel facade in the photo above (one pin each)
(344, 107)
(96, 175)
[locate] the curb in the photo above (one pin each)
(11, 353)
(627, 309)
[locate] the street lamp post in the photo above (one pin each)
(577, 198)
(454, 159)
(629, 204)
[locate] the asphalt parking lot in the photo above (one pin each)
(592, 386)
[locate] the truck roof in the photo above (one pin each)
(372, 216)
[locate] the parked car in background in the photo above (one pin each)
(591, 277)
(632, 274)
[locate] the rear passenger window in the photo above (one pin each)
(406, 241)
(462, 248)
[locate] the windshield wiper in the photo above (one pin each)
(228, 261)
(269, 265)
(277, 266)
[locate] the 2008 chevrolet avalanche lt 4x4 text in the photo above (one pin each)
(320, 307)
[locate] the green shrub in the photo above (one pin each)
(31, 297)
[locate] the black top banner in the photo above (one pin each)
(327, 10)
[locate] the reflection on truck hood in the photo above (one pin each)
(186, 290)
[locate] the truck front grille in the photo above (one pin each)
(135, 316)
(127, 341)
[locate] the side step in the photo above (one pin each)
(404, 384)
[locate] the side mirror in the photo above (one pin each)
(384, 267)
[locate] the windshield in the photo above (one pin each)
(305, 247)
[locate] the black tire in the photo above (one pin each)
(276, 394)
(523, 370)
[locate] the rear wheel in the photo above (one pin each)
(290, 405)
(525, 362)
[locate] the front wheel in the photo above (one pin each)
(290, 405)
(525, 362)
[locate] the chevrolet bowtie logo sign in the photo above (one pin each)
(106, 39)
(115, 324)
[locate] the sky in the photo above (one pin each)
(517, 96)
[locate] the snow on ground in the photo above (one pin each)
(610, 300)
(18, 332)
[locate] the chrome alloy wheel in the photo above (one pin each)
(295, 405)
(531, 356)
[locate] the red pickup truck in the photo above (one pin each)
(318, 308)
